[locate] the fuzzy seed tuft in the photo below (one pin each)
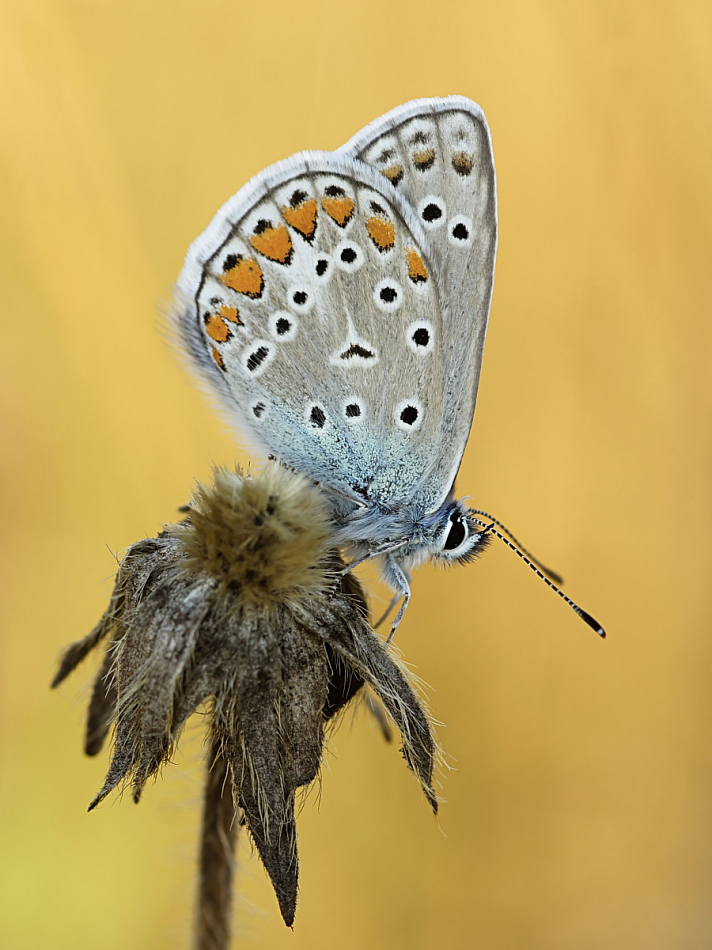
(268, 538)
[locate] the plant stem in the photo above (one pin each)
(217, 857)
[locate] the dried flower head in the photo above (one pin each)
(242, 607)
(267, 537)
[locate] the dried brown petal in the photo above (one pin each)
(364, 652)
(102, 707)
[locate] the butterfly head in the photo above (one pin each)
(449, 535)
(456, 535)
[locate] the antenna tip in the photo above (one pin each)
(592, 622)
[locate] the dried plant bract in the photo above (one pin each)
(242, 609)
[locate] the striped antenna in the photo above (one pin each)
(552, 575)
(587, 618)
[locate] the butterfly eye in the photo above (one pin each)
(457, 533)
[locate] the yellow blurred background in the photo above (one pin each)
(579, 805)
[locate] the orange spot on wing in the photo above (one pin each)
(382, 232)
(217, 329)
(340, 209)
(417, 270)
(394, 173)
(231, 314)
(217, 357)
(274, 243)
(245, 277)
(302, 218)
(462, 163)
(424, 159)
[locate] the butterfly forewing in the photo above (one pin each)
(311, 302)
(437, 154)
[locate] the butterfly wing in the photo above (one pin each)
(437, 153)
(311, 304)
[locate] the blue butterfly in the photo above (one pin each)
(338, 303)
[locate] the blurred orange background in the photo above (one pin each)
(579, 806)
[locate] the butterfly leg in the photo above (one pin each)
(399, 578)
(376, 710)
(374, 552)
(389, 608)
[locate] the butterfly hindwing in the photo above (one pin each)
(312, 304)
(437, 153)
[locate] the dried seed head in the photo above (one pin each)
(243, 608)
(268, 538)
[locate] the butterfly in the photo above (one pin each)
(338, 304)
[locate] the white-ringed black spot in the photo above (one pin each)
(408, 415)
(421, 337)
(323, 268)
(388, 294)
(460, 233)
(317, 417)
(348, 256)
(257, 358)
(300, 298)
(283, 326)
(353, 409)
(432, 211)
